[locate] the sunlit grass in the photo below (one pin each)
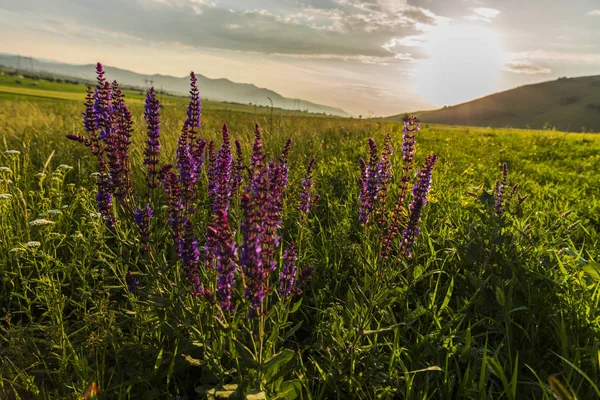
(487, 308)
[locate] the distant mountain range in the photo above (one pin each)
(212, 89)
(568, 104)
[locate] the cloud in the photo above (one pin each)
(558, 57)
(340, 29)
(526, 67)
(594, 13)
(483, 14)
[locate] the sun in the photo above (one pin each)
(463, 63)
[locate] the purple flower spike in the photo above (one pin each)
(408, 139)
(221, 185)
(225, 255)
(500, 190)
(152, 152)
(369, 183)
(307, 184)
(238, 167)
(142, 220)
(385, 175)
(132, 283)
(194, 108)
(288, 271)
(419, 193)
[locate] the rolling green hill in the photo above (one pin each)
(569, 104)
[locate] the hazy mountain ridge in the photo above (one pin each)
(212, 89)
(569, 104)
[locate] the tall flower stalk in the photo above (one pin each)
(419, 193)
(152, 151)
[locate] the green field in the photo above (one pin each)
(488, 307)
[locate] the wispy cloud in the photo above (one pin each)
(526, 67)
(483, 14)
(301, 28)
(594, 13)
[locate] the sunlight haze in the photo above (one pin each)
(370, 57)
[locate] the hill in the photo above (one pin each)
(213, 89)
(569, 104)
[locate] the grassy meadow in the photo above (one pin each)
(487, 307)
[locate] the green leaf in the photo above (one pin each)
(277, 360)
(592, 269)
(500, 296)
(245, 354)
(296, 306)
(448, 295)
(290, 390)
(291, 332)
(192, 361)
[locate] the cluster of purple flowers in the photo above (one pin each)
(224, 265)
(108, 127)
(376, 177)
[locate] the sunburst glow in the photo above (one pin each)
(464, 62)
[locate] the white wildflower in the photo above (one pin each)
(95, 215)
(40, 222)
(12, 152)
(33, 244)
(5, 169)
(5, 196)
(40, 175)
(54, 212)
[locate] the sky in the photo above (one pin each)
(368, 57)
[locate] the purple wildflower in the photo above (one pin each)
(142, 219)
(198, 154)
(256, 274)
(408, 140)
(385, 175)
(226, 258)
(221, 185)
(500, 190)
(419, 193)
(288, 271)
(211, 169)
(151, 154)
(194, 109)
(186, 164)
(303, 279)
(117, 144)
(369, 183)
(174, 206)
(189, 252)
(307, 184)
(102, 104)
(132, 283)
(238, 168)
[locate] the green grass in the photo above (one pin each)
(565, 104)
(486, 308)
